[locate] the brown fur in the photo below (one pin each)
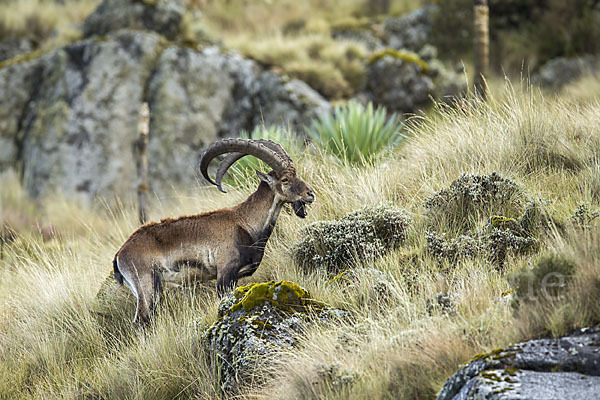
(224, 244)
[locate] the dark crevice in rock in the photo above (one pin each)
(26, 118)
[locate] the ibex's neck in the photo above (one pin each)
(260, 211)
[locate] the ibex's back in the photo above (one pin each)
(225, 244)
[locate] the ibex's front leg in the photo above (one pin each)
(227, 277)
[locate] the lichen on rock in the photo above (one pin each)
(257, 320)
(559, 368)
(357, 237)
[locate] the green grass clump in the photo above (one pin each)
(358, 237)
(356, 134)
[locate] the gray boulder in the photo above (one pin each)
(191, 96)
(561, 71)
(282, 102)
(13, 47)
(79, 129)
(544, 369)
(405, 81)
(161, 16)
(398, 84)
(255, 322)
(69, 117)
(411, 31)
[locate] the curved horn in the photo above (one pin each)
(266, 150)
(224, 166)
(233, 157)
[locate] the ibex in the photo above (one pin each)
(225, 244)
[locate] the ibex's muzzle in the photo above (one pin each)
(300, 205)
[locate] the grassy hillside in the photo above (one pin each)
(440, 310)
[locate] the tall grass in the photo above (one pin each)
(54, 344)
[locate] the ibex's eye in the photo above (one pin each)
(285, 180)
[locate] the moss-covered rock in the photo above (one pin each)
(404, 55)
(255, 321)
(559, 368)
(357, 237)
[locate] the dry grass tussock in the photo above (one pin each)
(48, 23)
(435, 315)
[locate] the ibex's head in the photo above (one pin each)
(283, 180)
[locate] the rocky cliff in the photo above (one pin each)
(68, 118)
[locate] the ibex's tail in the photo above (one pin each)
(118, 275)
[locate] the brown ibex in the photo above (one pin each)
(225, 244)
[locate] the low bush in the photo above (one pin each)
(473, 198)
(357, 237)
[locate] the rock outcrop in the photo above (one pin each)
(254, 322)
(544, 369)
(68, 118)
(557, 73)
(405, 81)
(412, 31)
(74, 130)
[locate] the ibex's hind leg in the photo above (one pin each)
(145, 284)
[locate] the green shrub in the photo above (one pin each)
(473, 198)
(356, 134)
(583, 216)
(358, 237)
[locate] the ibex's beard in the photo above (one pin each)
(300, 208)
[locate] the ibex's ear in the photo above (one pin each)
(266, 178)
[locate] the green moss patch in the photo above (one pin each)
(283, 294)
(403, 55)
